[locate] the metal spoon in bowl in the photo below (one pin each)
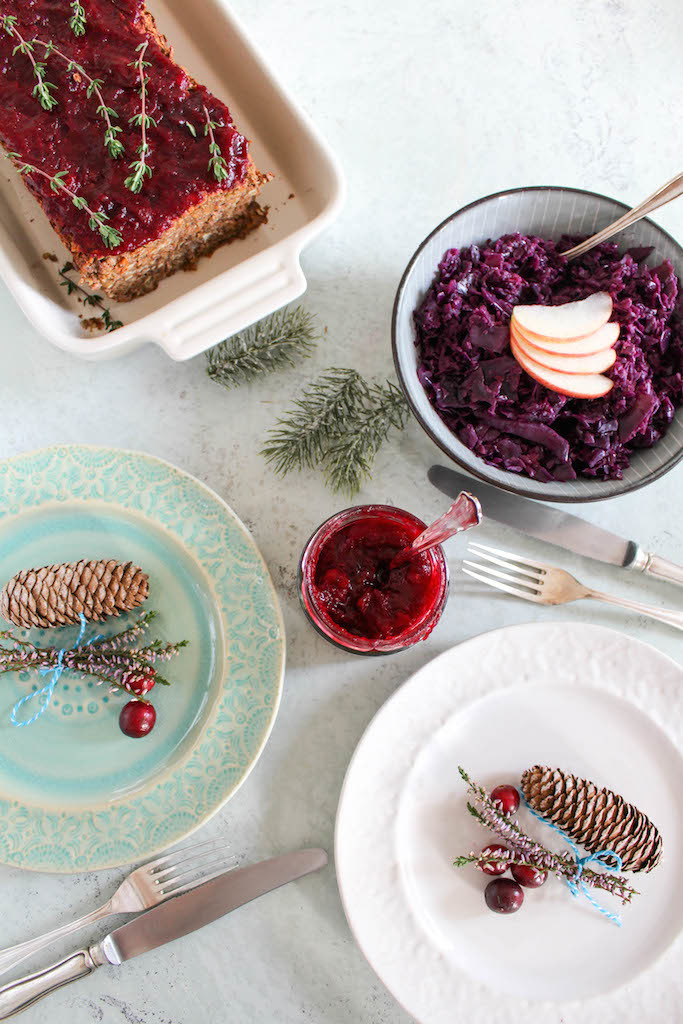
(663, 195)
(464, 513)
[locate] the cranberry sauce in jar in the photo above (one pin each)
(353, 597)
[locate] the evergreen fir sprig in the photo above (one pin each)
(271, 344)
(350, 456)
(42, 89)
(111, 142)
(302, 438)
(89, 299)
(143, 120)
(217, 164)
(77, 20)
(527, 851)
(339, 423)
(97, 219)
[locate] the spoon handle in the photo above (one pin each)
(663, 195)
(464, 513)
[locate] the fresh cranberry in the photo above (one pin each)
(503, 896)
(506, 798)
(530, 878)
(139, 683)
(137, 719)
(490, 867)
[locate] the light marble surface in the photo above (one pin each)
(429, 106)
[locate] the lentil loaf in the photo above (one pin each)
(185, 208)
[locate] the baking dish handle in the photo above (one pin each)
(255, 288)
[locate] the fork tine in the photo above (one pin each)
(188, 886)
(533, 587)
(526, 594)
(508, 565)
(189, 863)
(178, 856)
(508, 554)
(206, 865)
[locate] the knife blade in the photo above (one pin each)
(169, 921)
(554, 526)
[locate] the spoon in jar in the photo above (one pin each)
(464, 513)
(663, 195)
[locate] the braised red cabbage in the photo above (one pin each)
(501, 413)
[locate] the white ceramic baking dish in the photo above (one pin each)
(241, 282)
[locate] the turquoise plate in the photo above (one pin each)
(75, 793)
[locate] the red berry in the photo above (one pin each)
(490, 867)
(139, 683)
(506, 797)
(503, 896)
(137, 719)
(530, 878)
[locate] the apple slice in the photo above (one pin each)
(595, 362)
(605, 337)
(573, 385)
(570, 320)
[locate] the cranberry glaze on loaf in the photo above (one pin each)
(139, 169)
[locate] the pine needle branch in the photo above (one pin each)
(302, 438)
(271, 344)
(350, 457)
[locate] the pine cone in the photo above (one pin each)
(598, 819)
(57, 595)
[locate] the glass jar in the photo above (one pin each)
(350, 594)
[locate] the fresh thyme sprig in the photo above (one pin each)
(112, 143)
(269, 345)
(143, 121)
(217, 164)
(97, 219)
(42, 89)
(77, 20)
(302, 438)
(110, 324)
(350, 456)
(525, 850)
(339, 423)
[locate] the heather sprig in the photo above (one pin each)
(42, 89)
(89, 299)
(108, 659)
(97, 219)
(527, 851)
(217, 164)
(111, 140)
(77, 20)
(143, 120)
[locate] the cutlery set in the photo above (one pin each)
(180, 902)
(536, 581)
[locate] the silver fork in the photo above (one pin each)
(147, 886)
(545, 584)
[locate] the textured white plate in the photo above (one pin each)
(571, 696)
(241, 282)
(548, 212)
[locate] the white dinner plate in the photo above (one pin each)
(582, 698)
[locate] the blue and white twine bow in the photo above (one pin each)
(47, 691)
(607, 859)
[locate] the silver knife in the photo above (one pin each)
(556, 527)
(177, 917)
